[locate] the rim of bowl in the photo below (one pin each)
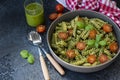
(69, 12)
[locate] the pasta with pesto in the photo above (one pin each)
(84, 41)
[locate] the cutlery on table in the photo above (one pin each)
(32, 37)
(36, 39)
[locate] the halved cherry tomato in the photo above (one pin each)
(92, 34)
(71, 54)
(70, 32)
(91, 58)
(63, 35)
(113, 47)
(107, 28)
(40, 28)
(80, 19)
(59, 8)
(53, 16)
(80, 45)
(103, 58)
(59, 14)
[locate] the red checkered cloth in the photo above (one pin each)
(107, 7)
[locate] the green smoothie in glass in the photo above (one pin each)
(34, 14)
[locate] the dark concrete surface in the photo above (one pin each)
(13, 39)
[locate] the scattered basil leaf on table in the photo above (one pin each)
(26, 55)
(31, 59)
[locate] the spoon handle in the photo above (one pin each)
(44, 68)
(55, 64)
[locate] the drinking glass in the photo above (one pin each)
(34, 12)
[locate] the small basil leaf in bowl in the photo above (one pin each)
(91, 42)
(103, 43)
(89, 27)
(80, 24)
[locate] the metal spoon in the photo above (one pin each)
(38, 40)
(35, 40)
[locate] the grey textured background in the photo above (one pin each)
(13, 39)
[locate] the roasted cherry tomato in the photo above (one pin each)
(91, 58)
(71, 54)
(59, 8)
(63, 35)
(80, 45)
(103, 58)
(53, 16)
(70, 32)
(59, 14)
(80, 19)
(40, 28)
(113, 47)
(92, 34)
(107, 28)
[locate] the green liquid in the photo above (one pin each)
(34, 14)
